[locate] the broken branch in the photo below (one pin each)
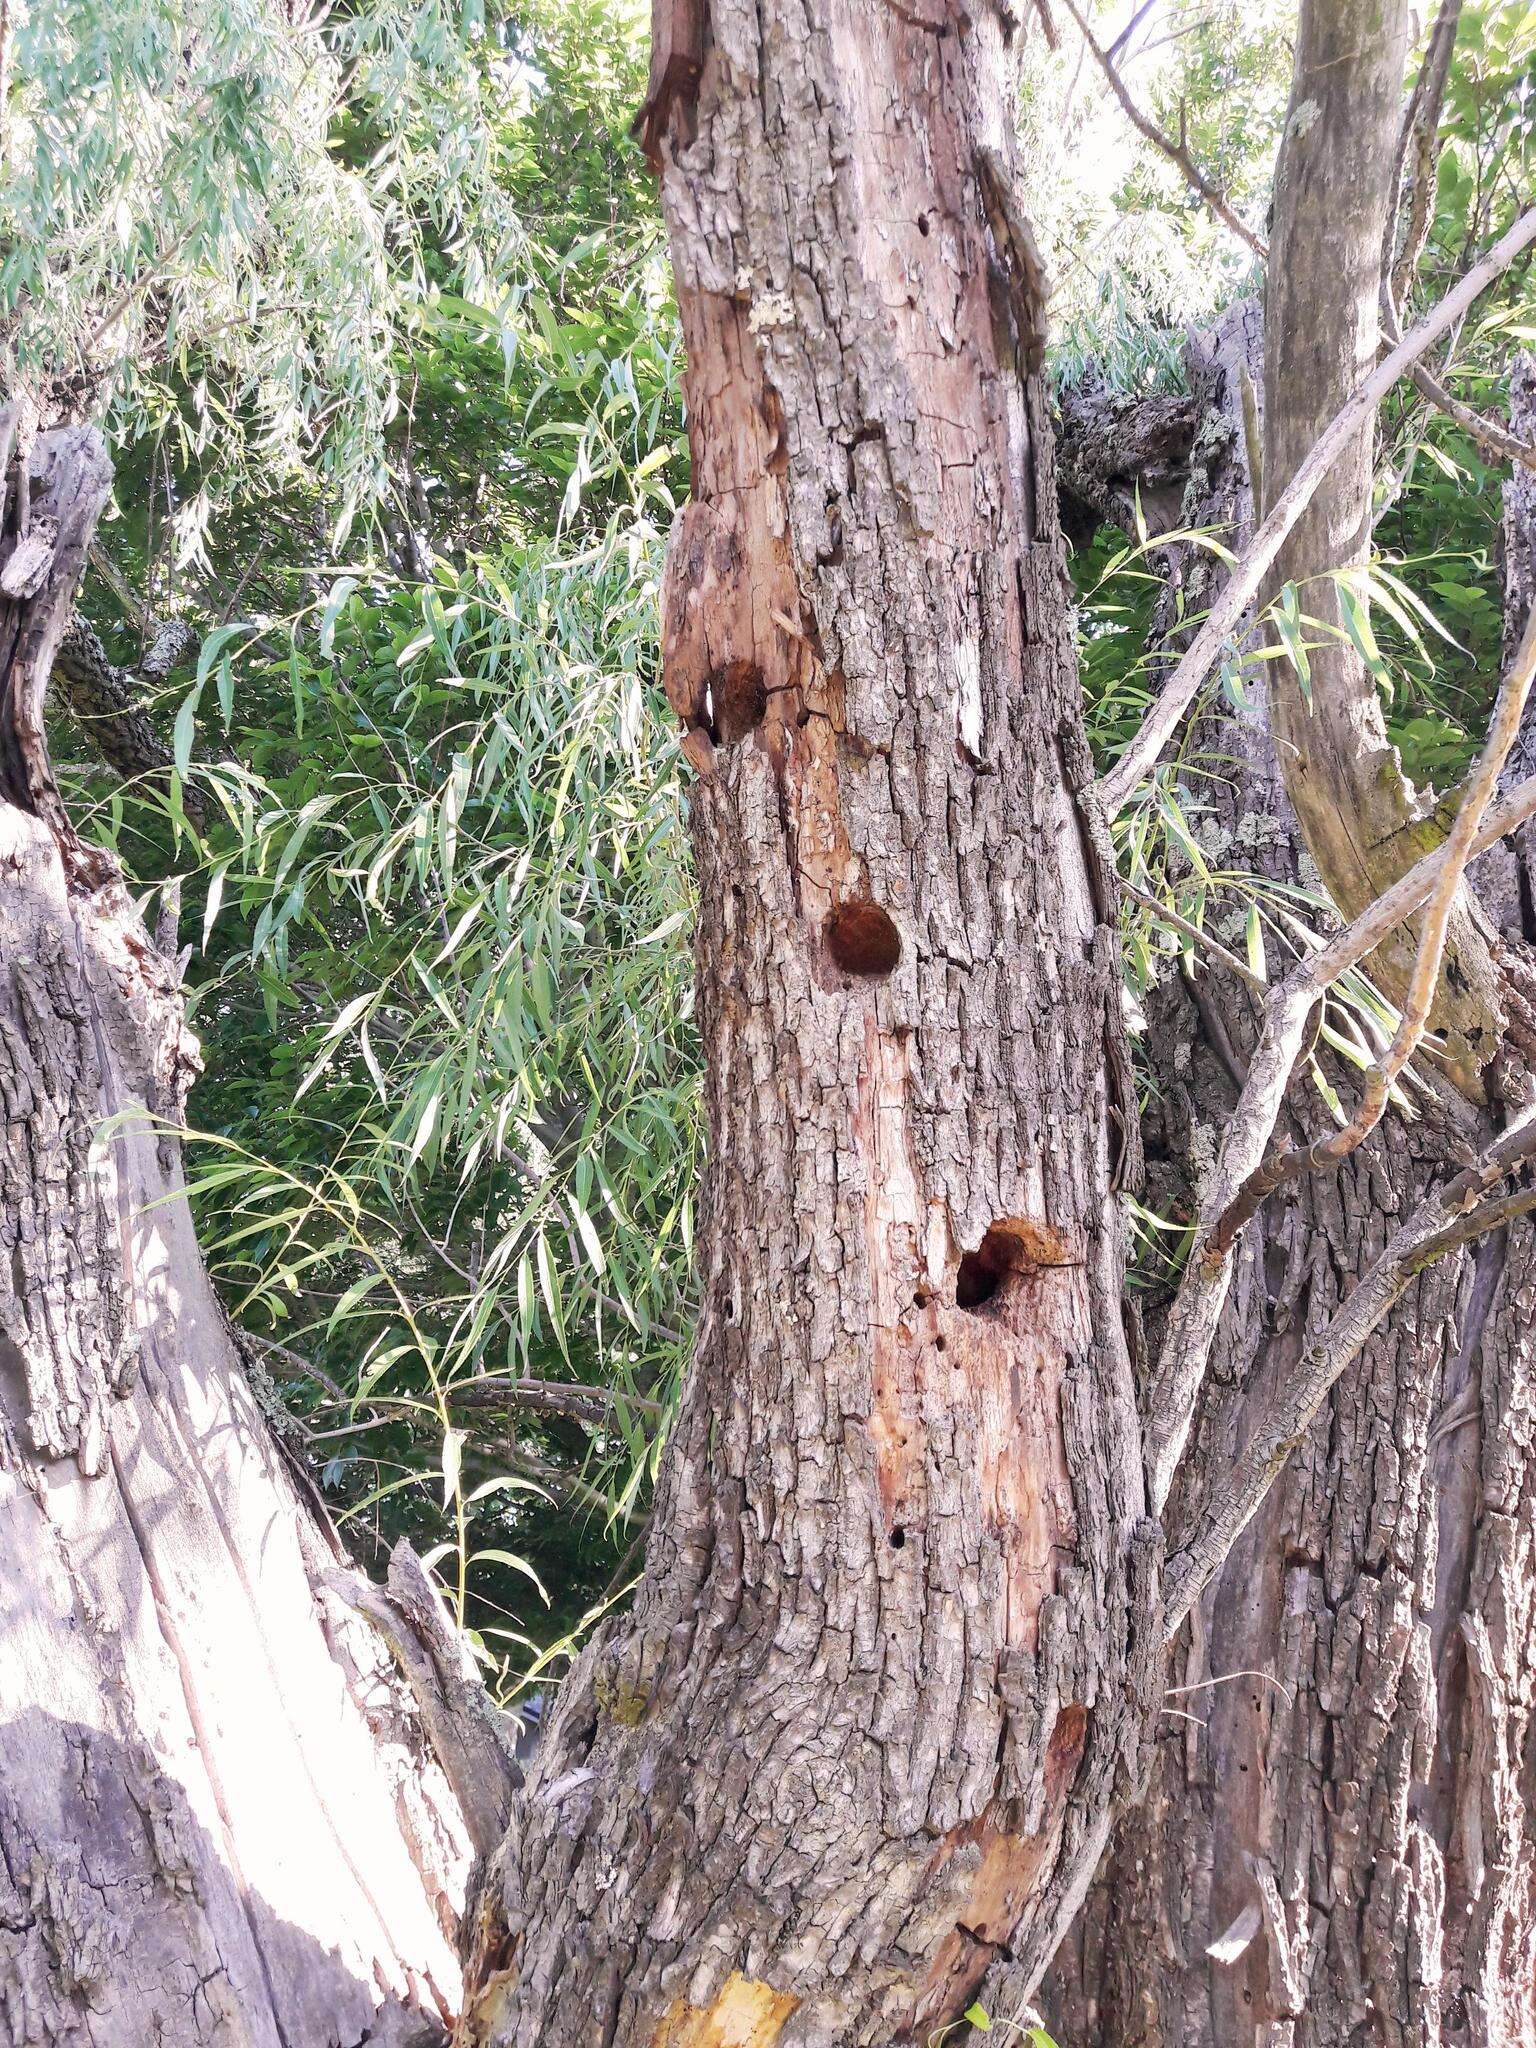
(1419, 1000)
(1197, 1306)
(1456, 1213)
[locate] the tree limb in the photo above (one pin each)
(1197, 1306)
(1175, 152)
(1179, 692)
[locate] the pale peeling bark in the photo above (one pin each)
(889, 1660)
(217, 1821)
(1349, 1826)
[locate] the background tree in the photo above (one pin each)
(221, 1817)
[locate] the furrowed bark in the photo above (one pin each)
(218, 1819)
(888, 1663)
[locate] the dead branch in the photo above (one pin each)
(1419, 1000)
(1176, 152)
(1238, 592)
(1197, 1306)
(1452, 1216)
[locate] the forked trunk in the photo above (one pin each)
(217, 1825)
(890, 1656)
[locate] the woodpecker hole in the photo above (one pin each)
(863, 939)
(738, 700)
(898, 1537)
(983, 1272)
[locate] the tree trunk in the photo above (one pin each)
(1335, 186)
(217, 1823)
(890, 1656)
(1343, 1795)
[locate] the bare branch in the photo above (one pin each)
(1458, 1212)
(1238, 592)
(1333, 1150)
(1496, 441)
(1175, 152)
(1196, 1310)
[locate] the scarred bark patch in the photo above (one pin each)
(745, 2015)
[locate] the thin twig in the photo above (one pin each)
(1214, 947)
(1179, 692)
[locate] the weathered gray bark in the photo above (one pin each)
(1119, 457)
(888, 1662)
(1344, 1801)
(217, 1820)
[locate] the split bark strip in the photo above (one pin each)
(1419, 1001)
(1162, 720)
(468, 1734)
(1196, 1311)
(1175, 152)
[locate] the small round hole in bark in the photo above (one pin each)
(898, 1537)
(922, 223)
(919, 1301)
(738, 699)
(939, 1344)
(863, 939)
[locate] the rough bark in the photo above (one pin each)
(1120, 457)
(1341, 1804)
(888, 1662)
(218, 1823)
